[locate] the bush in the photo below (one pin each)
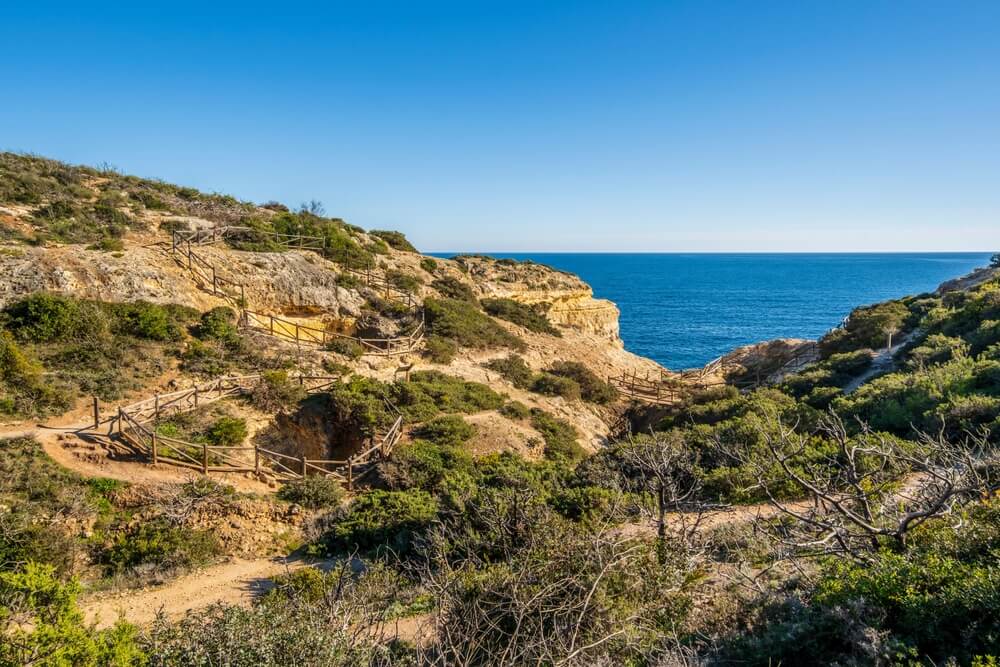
(23, 388)
(560, 436)
(555, 385)
(440, 350)
(446, 431)
(529, 317)
(383, 520)
(48, 628)
(514, 369)
(150, 321)
(227, 432)
(591, 387)
(461, 322)
(424, 465)
(396, 240)
(515, 410)
(43, 317)
(157, 543)
(347, 347)
(429, 393)
(402, 280)
(108, 244)
(452, 288)
(217, 324)
(276, 391)
(867, 327)
(428, 264)
(313, 492)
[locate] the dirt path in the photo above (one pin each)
(882, 362)
(76, 447)
(235, 582)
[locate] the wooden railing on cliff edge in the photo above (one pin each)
(183, 244)
(137, 425)
(669, 390)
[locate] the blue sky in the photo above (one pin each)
(540, 126)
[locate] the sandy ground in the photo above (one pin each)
(235, 582)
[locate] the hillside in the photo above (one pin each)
(443, 451)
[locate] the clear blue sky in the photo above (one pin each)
(540, 126)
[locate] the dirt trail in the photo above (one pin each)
(236, 582)
(883, 362)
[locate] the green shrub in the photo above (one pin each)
(49, 628)
(452, 288)
(515, 410)
(217, 324)
(514, 369)
(23, 388)
(276, 391)
(313, 492)
(428, 264)
(424, 465)
(348, 281)
(347, 347)
(591, 387)
(383, 520)
(868, 327)
(428, 393)
(396, 240)
(440, 350)
(43, 317)
(150, 321)
(108, 244)
(560, 436)
(402, 280)
(446, 431)
(461, 322)
(555, 385)
(157, 543)
(227, 432)
(529, 317)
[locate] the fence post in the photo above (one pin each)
(154, 447)
(256, 460)
(119, 421)
(303, 466)
(204, 459)
(156, 409)
(97, 414)
(196, 396)
(189, 255)
(350, 473)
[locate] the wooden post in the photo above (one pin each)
(303, 466)
(350, 474)
(97, 413)
(156, 409)
(119, 421)
(154, 447)
(204, 459)
(196, 396)
(256, 460)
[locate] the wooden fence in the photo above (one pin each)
(137, 425)
(658, 390)
(183, 244)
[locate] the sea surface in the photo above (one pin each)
(684, 310)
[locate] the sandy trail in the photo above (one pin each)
(235, 582)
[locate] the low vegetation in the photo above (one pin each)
(531, 318)
(466, 325)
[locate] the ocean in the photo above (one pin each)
(684, 310)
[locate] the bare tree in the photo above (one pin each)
(870, 491)
(663, 465)
(313, 207)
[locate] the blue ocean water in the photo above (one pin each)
(684, 310)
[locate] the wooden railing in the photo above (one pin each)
(205, 273)
(137, 425)
(657, 390)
